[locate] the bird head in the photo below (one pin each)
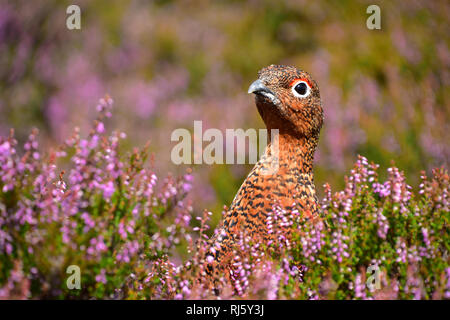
(288, 99)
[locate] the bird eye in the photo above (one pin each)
(301, 89)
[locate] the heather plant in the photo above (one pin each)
(105, 216)
(383, 225)
(135, 237)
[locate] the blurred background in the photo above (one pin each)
(167, 63)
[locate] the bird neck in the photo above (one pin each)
(288, 163)
(292, 152)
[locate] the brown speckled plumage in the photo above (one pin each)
(299, 120)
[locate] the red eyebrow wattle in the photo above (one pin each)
(300, 79)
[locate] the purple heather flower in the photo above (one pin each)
(360, 287)
(108, 189)
(447, 285)
(100, 127)
(339, 246)
(383, 224)
(101, 277)
(401, 251)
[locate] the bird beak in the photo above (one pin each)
(258, 88)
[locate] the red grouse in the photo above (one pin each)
(288, 100)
